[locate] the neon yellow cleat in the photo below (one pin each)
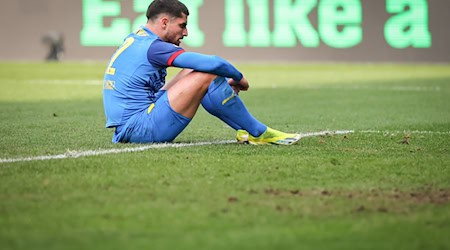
(271, 136)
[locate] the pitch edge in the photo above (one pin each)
(77, 154)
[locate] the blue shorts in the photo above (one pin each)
(159, 123)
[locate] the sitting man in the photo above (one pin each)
(143, 108)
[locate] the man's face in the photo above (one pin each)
(176, 29)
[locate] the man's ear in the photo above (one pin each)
(164, 22)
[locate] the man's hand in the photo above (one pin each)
(239, 85)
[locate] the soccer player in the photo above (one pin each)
(143, 108)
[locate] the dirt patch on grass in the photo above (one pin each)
(424, 196)
(373, 200)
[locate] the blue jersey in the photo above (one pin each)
(136, 71)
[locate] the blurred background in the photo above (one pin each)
(244, 30)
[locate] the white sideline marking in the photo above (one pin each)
(381, 88)
(404, 132)
(338, 132)
(77, 154)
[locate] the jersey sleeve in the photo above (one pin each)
(207, 63)
(162, 54)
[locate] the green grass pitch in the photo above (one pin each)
(384, 186)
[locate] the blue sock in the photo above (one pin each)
(221, 101)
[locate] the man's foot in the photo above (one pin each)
(271, 136)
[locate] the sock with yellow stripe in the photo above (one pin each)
(221, 101)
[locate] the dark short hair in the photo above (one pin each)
(173, 8)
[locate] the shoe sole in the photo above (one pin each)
(292, 141)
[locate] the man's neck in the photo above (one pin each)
(153, 29)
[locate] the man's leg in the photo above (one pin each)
(221, 101)
(217, 97)
(186, 94)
